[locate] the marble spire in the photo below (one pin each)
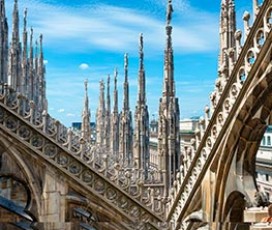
(126, 130)
(141, 117)
(108, 117)
(100, 117)
(169, 114)
(4, 49)
(15, 52)
(86, 117)
(115, 120)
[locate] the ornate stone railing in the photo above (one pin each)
(248, 63)
(81, 162)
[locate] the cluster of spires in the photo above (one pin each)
(22, 70)
(131, 145)
(114, 130)
(22, 65)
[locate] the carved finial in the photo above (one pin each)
(169, 12)
(256, 8)
(246, 17)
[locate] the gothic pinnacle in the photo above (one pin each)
(126, 84)
(15, 50)
(86, 101)
(3, 10)
(41, 41)
(141, 45)
(31, 44)
(168, 87)
(15, 32)
(4, 49)
(108, 83)
(41, 48)
(108, 96)
(115, 103)
(126, 66)
(25, 35)
(141, 92)
(115, 78)
(101, 100)
(85, 128)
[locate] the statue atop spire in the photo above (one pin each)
(169, 12)
(141, 53)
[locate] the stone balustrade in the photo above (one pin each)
(86, 164)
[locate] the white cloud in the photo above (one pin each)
(45, 62)
(84, 66)
(61, 110)
(106, 27)
(70, 115)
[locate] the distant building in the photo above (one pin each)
(76, 127)
(264, 164)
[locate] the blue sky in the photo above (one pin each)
(87, 39)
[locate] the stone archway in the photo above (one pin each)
(24, 189)
(15, 199)
(234, 207)
(235, 170)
